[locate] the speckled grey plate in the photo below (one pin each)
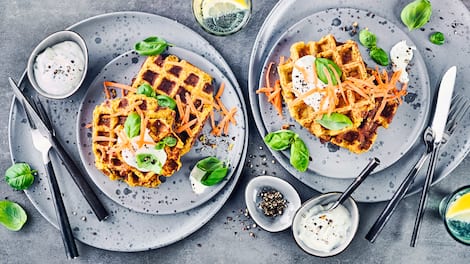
(450, 17)
(107, 36)
(175, 195)
(392, 143)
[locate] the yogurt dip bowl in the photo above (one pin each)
(324, 233)
(58, 65)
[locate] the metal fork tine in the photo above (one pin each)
(458, 110)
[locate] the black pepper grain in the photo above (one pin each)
(272, 202)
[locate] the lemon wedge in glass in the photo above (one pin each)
(460, 208)
(217, 8)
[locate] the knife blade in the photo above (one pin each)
(441, 112)
(74, 171)
(444, 98)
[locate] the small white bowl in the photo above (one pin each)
(50, 41)
(252, 199)
(325, 199)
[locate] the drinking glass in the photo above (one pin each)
(222, 17)
(455, 211)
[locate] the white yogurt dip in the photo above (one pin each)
(401, 54)
(195, 177)
(59, 69)
(324, 230)
(303, 84)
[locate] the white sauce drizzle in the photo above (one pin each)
(401, 54)
(195, 177)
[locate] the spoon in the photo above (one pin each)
(359, 179)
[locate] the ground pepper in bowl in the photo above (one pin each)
(272, 202)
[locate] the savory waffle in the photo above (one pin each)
(185, 83)
(108, 130)
(360, 107)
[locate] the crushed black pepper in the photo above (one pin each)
(272, 202)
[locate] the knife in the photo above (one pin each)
(90, 196)
(438, 124)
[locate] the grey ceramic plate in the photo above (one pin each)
(175, 195)
(107, 36)
(392, 143)
(450, 17)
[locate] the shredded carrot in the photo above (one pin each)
(103, 138)
(89, 125)
(220, 91)
(119, 85)
(268, 74)
(179, 105)
(186, 127)
(303, 71)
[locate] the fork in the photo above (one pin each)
(460, 105)
(43, 145)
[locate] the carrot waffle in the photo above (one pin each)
(369, 98)
(188, 85)
(110, 139)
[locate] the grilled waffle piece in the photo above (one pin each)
(108, 126)
(359, 107)
(185, 83)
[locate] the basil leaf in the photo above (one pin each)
(146, 90)
(321, 64)
(209, 164)
(160, 145)
(151, 46)
(149, 161)
(379, 56)
(19, 176)
(279, 140)
(132, 125)
(367, 38)
(214, 177)
(170, 141)
(416, 14)
(166, 101)
(12, 215)
(437, 38)
(335, 121)
(299, 155)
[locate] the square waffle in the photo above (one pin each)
(179, 79)
(108, 124)
(361, 110)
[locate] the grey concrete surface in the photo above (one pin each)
(223, 239)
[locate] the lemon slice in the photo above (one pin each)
(460, 208)
(217, 8)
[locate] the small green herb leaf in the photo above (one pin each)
(321, 64)
(279, 140)
(146, 90)
(416, 14)
(12, 215)
(170, 141)
(149, 161)
(367, 38)
(166, 101)
(160, 145)
(214, 177)
(335, 121)
(379, 55)
(215, 170)
(151, 46)
(132, 125)
(19, 176)
(299, 155)
(437, 38)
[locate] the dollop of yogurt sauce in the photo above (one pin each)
(195, 177)
(401, 54)
(325, 230)
(129, 156)
(59, 69)
(303, 84)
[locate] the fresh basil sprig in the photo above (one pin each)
(416, 14)
(166, 101)
(20, 176)
(321, 64)
(335, 121)
(437, 38)
(146, 90)
(367, 38)
(283, 139)
(167, 141)
(132, 125)
(12, 215)
(149, 161)
(379, 55)
(151, 46)
(215, 170)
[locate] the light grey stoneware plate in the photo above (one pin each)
(450, 17)
(392, 143)
(108, 36)
(175, 195)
